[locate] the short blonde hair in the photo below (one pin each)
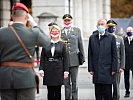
(56, 27)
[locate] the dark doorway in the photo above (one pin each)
(28, 4)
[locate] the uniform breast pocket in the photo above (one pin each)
(73, 36)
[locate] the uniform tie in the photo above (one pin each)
(67, 32)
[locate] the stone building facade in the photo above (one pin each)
(85, 13)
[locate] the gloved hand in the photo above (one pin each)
(41, 72)
(10, 23)
(31, 20)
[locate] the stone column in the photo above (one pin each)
(77, 14)
(86, 27)
(6, 12)
(99, 6)
(93, 15)
(106, 9)
(1, 13)
(86, 18)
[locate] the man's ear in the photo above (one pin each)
(26, 16)
(106, 26)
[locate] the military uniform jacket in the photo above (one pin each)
(102, 57)
(74, 46)
(120, 52)
(54, 66)
(11, 51)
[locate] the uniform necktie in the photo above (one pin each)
(67, 32)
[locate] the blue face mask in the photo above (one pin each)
(129, 33)
(101, 29)
(111, 29)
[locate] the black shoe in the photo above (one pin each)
(127, 95)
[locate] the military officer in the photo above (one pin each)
(17, 77)
(72, 37)
(111, 27)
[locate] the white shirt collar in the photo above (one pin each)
(102, 33)
(130, 38)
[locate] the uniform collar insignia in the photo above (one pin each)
(72, 28)
(63, 30)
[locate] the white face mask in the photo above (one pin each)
(57, 35)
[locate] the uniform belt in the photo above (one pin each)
(17, 64)
(54, 59)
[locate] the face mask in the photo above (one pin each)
(129, 33)
(111, 29)
(67, 24)
(54, 34)
(101, 29)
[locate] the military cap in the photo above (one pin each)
(52, 23)
(20, 6)
(67, 17)
(111, 23)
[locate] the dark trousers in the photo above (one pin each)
(127, 80)
(54, 92)
(18, 94)
(103, 91)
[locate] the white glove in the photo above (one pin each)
(10, 23)
(31, 20)
(41, 72)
